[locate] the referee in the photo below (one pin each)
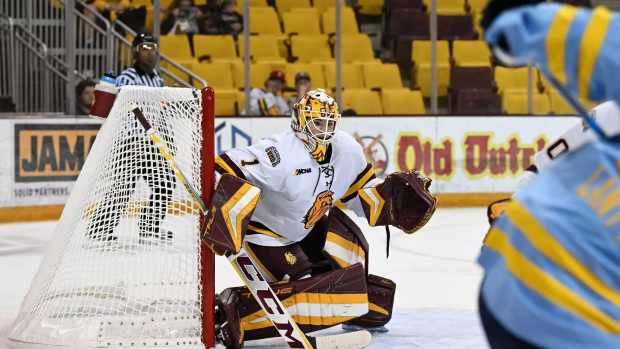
(138, 158)
(143, 72)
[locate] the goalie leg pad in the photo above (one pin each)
(315, 303)
(381, 293)
(345, 243)
(233, 203)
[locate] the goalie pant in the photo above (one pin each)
(335, 253)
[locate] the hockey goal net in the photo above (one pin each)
(126, 267)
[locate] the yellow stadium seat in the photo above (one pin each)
(167, 68)
(559, 105)
(312, 10)
(301, 22)
(349, 23)
(421, 56)
(363, 101)
(351, 76)
(175, 47)
(402, 102)
(264, 21)
(285, 5)
(471, 53)
(382, 75)
(513, 79)
(371, 7)
(317, 76)
(448, 7)
(226, 102)
(253, 3)
(218, 74)
(258, 73)
(323, 5)
(214, 47)
(138, 3)
(477, 6)
(263, 48)
(310, 48)
(357, 48)
(516, 103)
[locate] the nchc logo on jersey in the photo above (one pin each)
(323, 202)
(301, 171)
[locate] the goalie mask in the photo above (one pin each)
(314, 120)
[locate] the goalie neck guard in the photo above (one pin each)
(314, 120)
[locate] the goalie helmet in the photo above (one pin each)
(314, 120)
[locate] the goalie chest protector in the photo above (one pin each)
(296, 189)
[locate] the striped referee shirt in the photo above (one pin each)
(136, 76)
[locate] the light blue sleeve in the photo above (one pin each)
(579, 47)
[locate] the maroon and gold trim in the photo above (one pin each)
(364, 177)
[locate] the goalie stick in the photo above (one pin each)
(255, 281)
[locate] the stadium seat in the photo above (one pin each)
(421, 56)
(357, 48)
(513, 79)
(264, 21)
(219, 75)
(285, 5)
(517, 103)
(351, 76)
(301, 22)
(363, 101)
(310, 48)
(382, 76)
(476, 6)
(166, 67)
(402, 102)
(317, 75)
(253, 3)
(263, 48)
(471, 53)
(371, 7)
(448, 7)
(450, 27)
(349, 23)
(323, 5)
(559, 105)
(214, 47)
(258, 73)
(226, 103)
(175, 47)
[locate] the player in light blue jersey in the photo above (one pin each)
(552, 259)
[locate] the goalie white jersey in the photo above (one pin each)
(296, 189)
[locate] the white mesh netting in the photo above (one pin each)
(123, 269)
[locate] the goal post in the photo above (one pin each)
(126, 267)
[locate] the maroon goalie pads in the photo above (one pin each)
(345, 243)
(233, 203)
(381, 293)
(402, 200)
(315, 303)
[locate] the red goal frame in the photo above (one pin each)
(207, 260)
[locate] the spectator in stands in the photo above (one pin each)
(269, 101)
(182, 17)
(226, 21)
(85, 96)
(143, 72)
(303, 84)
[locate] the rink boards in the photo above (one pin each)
(472, 160)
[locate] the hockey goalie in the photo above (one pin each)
(312, 253)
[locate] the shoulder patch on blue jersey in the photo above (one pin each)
(274, 155)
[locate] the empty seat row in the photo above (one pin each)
(362, 101)
(266, 48)
(230, 75)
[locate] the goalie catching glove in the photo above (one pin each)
(233, 203)
(402, 200)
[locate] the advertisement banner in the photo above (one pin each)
(461, 154)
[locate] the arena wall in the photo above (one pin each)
(472, 160)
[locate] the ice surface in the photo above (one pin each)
(435, 272)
